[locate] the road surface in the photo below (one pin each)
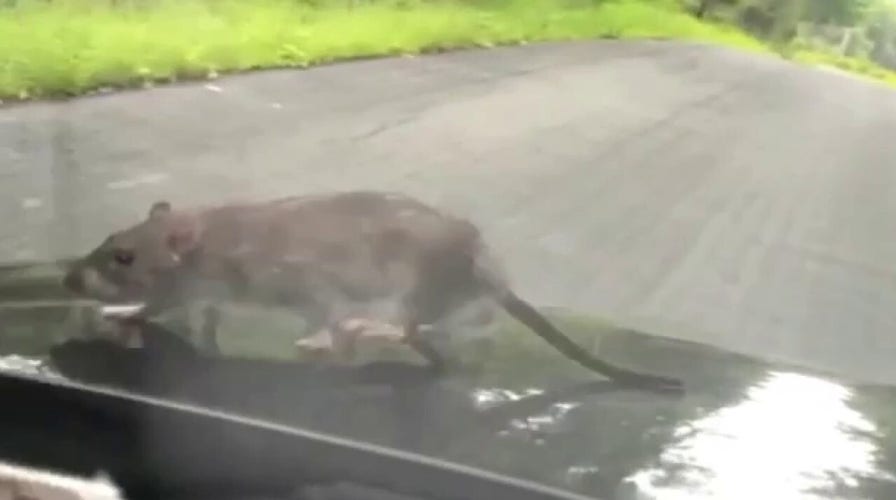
(696, 192)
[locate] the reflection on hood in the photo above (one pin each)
(793, 436)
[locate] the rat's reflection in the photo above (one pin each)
(420, 408)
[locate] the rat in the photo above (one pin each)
(330, 258)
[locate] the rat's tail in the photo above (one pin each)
(490, 276)
(531, 317)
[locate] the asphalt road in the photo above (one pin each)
(696, 192)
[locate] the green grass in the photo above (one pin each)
(69, 47)
(861, 67)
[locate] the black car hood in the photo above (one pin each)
(745, 428)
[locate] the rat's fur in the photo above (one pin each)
(329, 257)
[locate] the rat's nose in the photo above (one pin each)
(73, 281)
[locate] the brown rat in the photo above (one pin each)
(328, 257)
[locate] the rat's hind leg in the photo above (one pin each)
(424, 313)
(337, 338)
(338, 342)
(415, 336)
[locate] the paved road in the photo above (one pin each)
(729, 198)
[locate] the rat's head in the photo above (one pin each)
(138, 263)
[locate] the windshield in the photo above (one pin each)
(374, 219)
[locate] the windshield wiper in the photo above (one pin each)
(154, 448)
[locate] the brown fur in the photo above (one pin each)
(327, 256)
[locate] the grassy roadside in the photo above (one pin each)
(69, 47)
(860, 67)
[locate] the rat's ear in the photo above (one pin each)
(159, 209)
(182, 235)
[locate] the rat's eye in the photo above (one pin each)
(123, 257)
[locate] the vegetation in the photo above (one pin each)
(69, 47)
(854, 35)
(72, 47)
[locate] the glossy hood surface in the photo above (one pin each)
(744, 429)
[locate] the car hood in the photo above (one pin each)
(745, 427)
